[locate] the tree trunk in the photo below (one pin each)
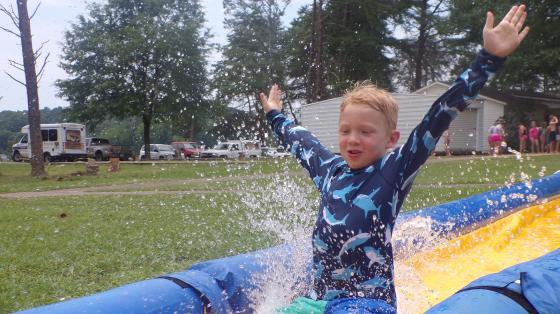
(147, 121)
(315, 74)
(34, 115)
(421, 46)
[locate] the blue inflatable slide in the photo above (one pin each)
(227, 285)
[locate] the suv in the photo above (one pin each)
(187, 149)
(159, 151)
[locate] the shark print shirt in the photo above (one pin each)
(352, 252)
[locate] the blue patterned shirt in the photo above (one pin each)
(352, 252)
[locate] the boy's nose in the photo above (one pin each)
(353, 137)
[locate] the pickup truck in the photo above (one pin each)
(102, 149)
(234, 149)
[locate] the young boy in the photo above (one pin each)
(362, 190)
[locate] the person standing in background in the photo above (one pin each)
(534, 137)
(522, 135)
(542, 137)
(552, 131)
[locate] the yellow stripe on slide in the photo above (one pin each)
(520, 237)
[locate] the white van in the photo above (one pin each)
(61, 141)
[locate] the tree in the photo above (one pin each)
(535, 65)
(315, 82)
(423, 54)
(356, 37)
(333, 44)
(142, 58)
(253, 56)
(22, 22)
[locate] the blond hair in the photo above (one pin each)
(366, 93)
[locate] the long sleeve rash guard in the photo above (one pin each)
(352, 252)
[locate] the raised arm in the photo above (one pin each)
(499, 42)
(313, 156)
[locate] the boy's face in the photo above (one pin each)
(363, 135)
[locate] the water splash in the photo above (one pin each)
(285, 208)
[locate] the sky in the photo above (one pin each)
(52, 19)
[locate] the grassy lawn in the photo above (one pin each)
(60, 248)
(63, 247)
(14, 176)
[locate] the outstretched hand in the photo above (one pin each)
(503, 39)
(273, 101)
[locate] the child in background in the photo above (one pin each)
(522, 135)
(551, 130)
(534, 133)
(363, 189)
(543, 137)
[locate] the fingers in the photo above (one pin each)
(510, 14)
(518, 14)
(523, 34)
(263, 98)
(275, 92)
(521, 21)
(489, 20)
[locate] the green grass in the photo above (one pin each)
(62, 248)
(14, 176)
(54, 248)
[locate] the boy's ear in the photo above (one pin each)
(393, 139)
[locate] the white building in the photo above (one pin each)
(468, 132)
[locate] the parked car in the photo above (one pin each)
(234, 149)
(275, 152)
(159, 152)
(102, 149)
(187, 149)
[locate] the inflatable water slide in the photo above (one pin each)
(495, 252)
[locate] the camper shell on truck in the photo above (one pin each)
(234, 149)
(61, 141)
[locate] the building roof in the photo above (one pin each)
(518, 97)
(482, 95)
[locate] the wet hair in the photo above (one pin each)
(366, 93)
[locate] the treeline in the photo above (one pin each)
(11, 123)
(127, 131)
(144, 63)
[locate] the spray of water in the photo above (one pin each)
(285, 208)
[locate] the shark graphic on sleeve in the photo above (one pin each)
(394, 202)
(429, 141)
(386, 157)
(307, 154)
(295, 129)
(317, 181)
(414, 146)
(326, 162)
